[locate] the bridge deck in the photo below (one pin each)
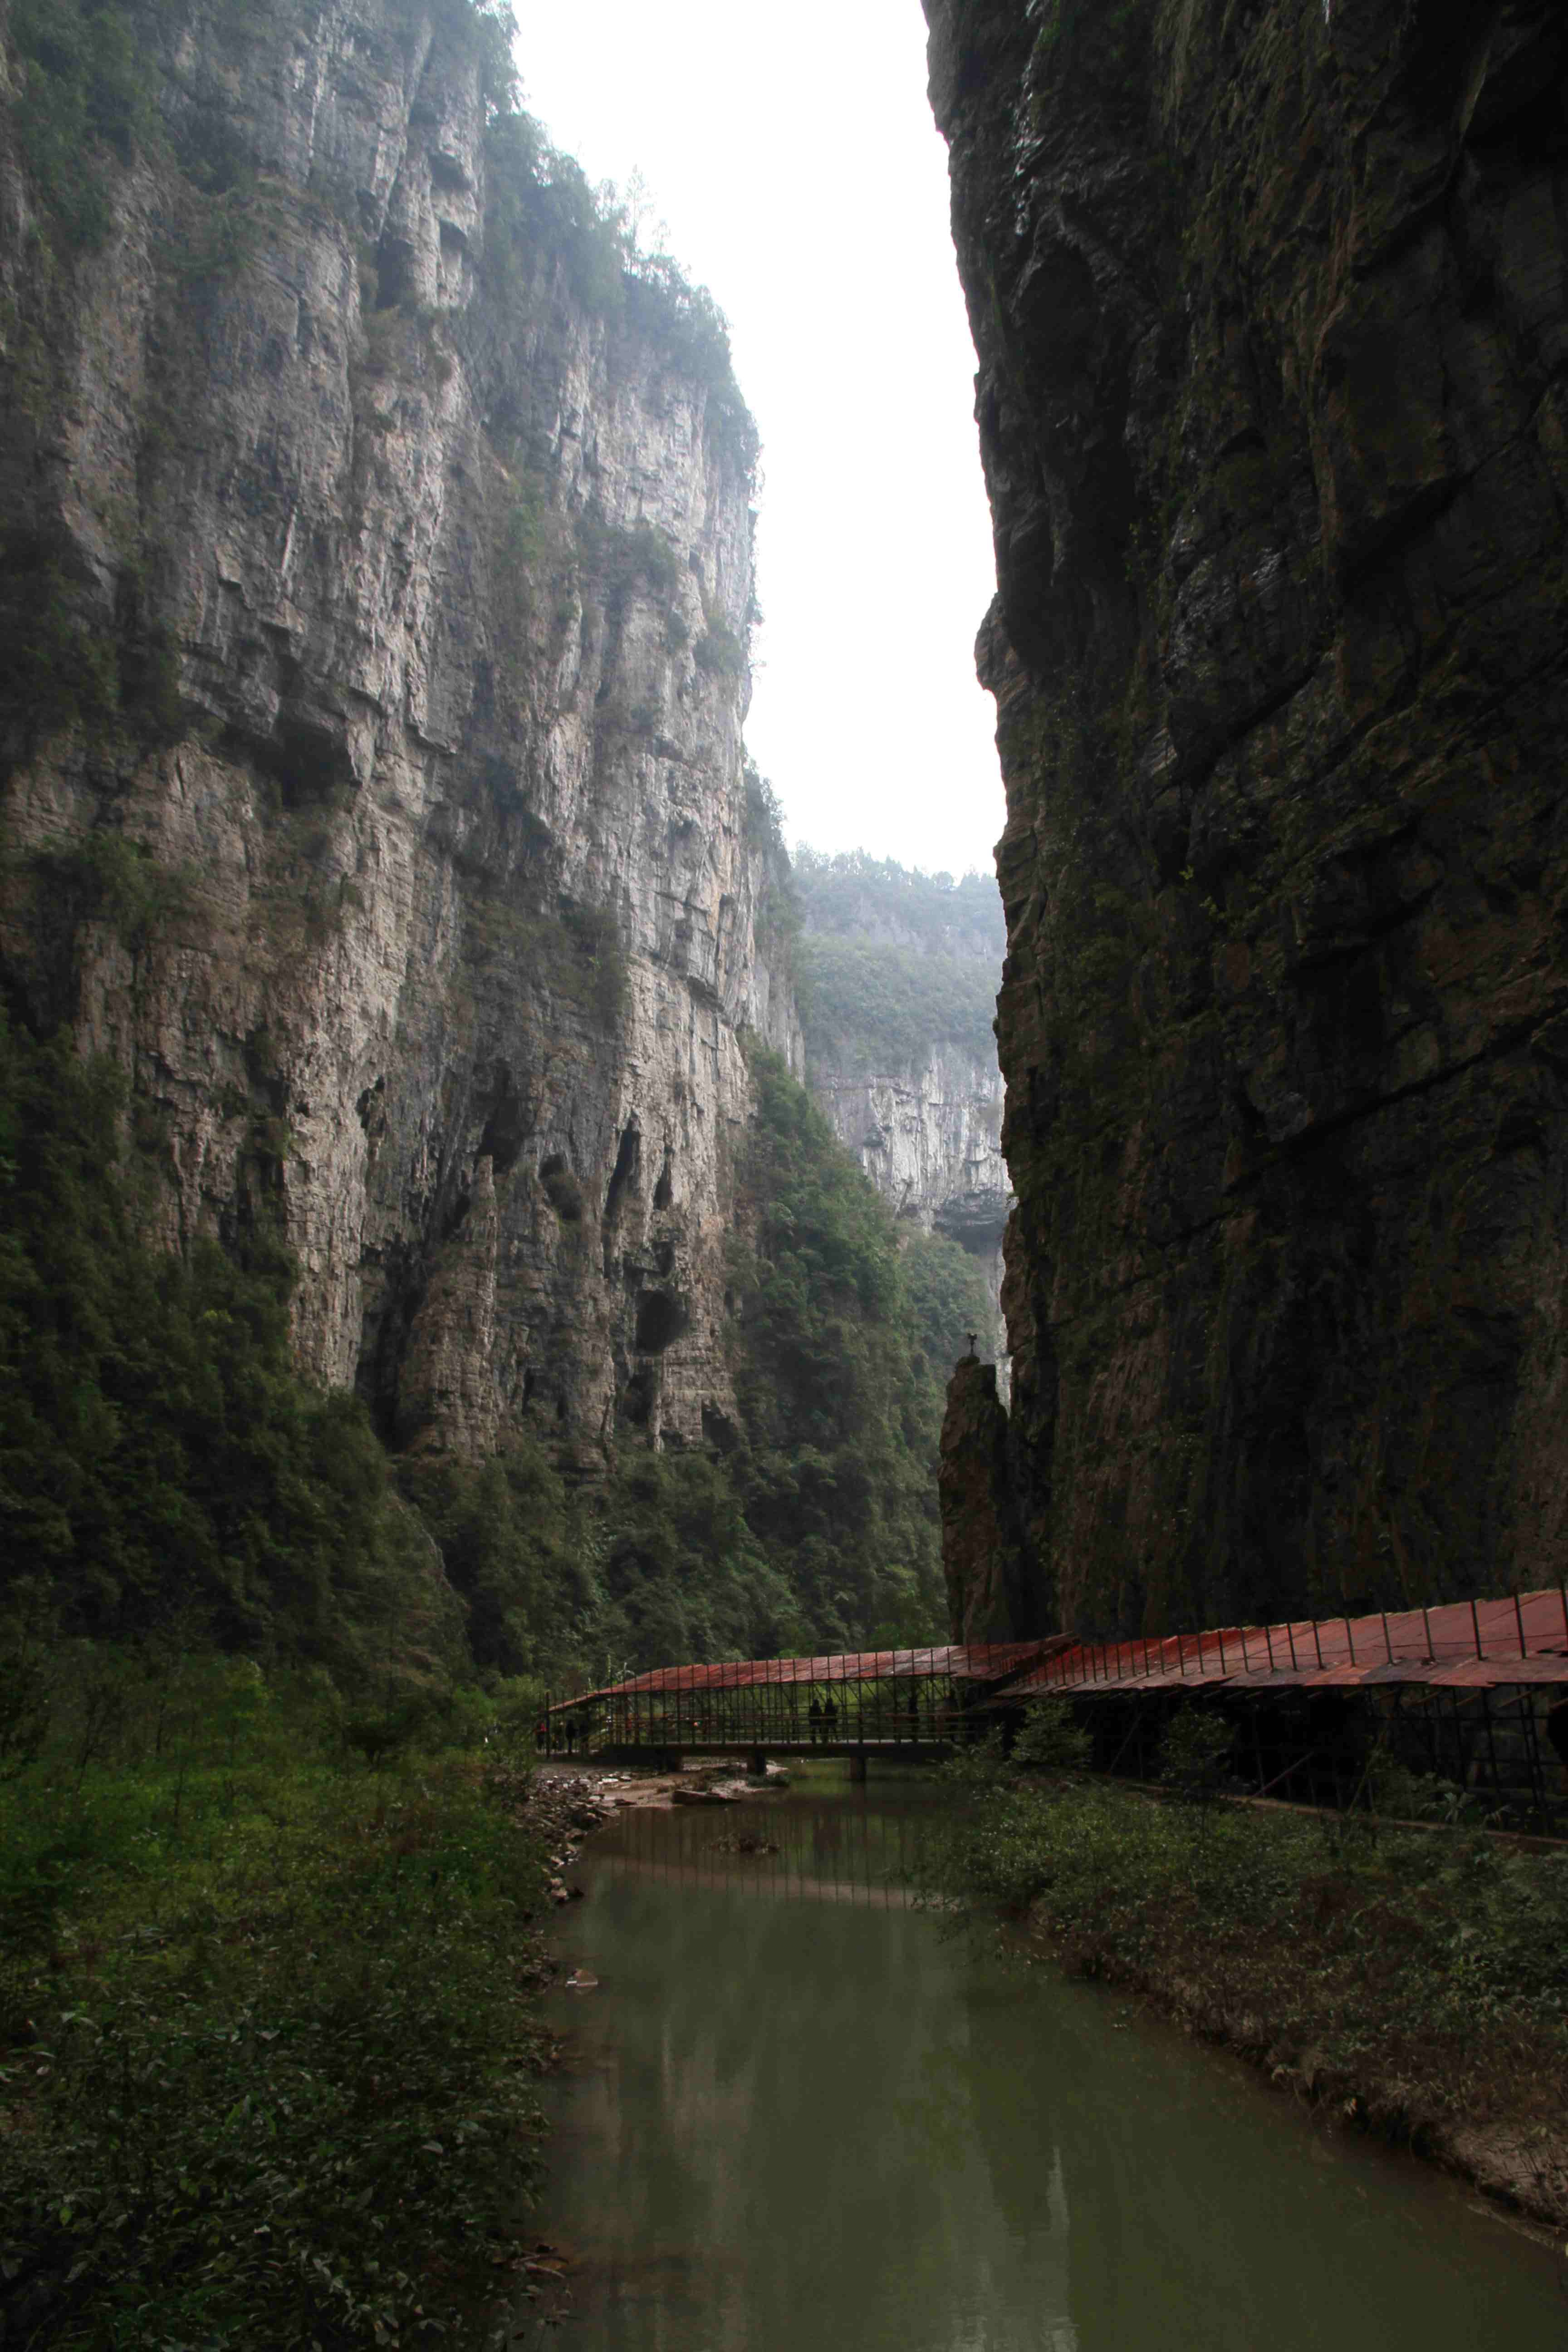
(911, 1752)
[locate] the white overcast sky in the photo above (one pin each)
(791, 151)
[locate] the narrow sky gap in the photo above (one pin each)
(793, 157)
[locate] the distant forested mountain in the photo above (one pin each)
(892, 961)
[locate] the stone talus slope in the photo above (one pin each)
(454, 951)
(1272, 308)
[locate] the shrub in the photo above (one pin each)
(107, 877)
(61, 664)
(1195, 1755)
(87, 99)
(1051, 1739)
(720, 651)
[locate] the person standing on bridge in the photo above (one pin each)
(813, 1716)
(829, 1718)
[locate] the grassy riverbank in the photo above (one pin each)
(266, 2043)
(1415, 1983)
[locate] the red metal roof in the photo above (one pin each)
(1461, 1644)
(962, 1661)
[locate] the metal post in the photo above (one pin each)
(1290, 1637)
(1532, 1759)
(1350, 1640)
(1476, 1624)
(1427, 1621)
(1268, 1639)
(1491, 1738)
(1318, 1645)
(1520, 1615)
(1387, 1639)
(1220, 1631)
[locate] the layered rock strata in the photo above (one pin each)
(408, 880)
(1272, 308)
(928, 1134)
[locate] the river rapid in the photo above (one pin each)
(797, 2114)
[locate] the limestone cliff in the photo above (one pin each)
(1271, 306)
(899, 975)
(379, 577)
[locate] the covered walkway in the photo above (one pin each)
(911, 1703)
(1473, 1691)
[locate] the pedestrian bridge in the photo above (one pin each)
(912, 1704)
(1475, 1691)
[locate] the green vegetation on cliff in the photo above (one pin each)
(893, 962)
(841, 1388)
(160, 1456)
(165, 1468)
(853, 895)
(811, 1523)
(869, 1007)
(91, 80)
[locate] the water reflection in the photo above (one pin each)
(808, 2118)
(830, 1850)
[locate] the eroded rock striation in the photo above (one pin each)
(1272, 308)
(380, 574)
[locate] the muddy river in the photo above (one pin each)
(799, 2117)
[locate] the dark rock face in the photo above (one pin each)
(1272, 314)
(989, 1597)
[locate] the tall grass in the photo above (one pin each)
(265, 2042)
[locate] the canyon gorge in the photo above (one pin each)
(379, 574)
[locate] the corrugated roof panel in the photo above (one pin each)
(1518, 1641)
(962, 1661)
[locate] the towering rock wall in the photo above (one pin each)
(379, 577)
(1271, 305)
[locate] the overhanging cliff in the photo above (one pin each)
(1272, 308)
(378, 583)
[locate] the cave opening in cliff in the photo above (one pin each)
(662, 1316)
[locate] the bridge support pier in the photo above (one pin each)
(857, 1765)
(757, 1766)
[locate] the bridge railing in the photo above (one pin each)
(885, 1715)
